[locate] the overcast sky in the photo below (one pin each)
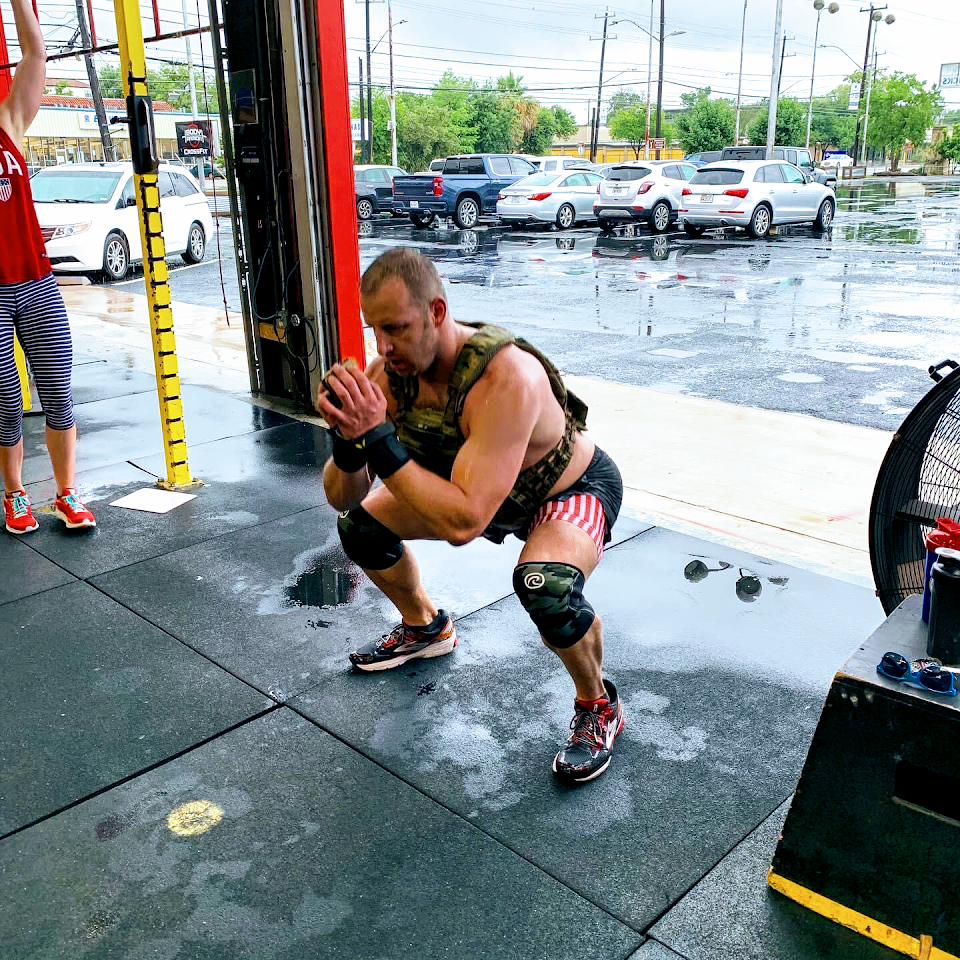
(551, 45)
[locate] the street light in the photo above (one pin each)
(659, 39)
(875, 17)
(818, 5)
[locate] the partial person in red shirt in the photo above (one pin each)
(31, 305)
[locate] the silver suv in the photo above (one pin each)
(647, 191)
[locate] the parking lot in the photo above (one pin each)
(840, 325)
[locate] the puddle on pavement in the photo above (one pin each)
(746, 584)
(328, 581)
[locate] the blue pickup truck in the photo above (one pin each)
(467, 187)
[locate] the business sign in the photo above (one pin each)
(195, 138)
(356, 131)
(658, 143)
(854, 96)
(950, 75)
(88, 121)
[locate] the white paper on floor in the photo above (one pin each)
(153, 500)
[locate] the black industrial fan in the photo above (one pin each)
(919, 481)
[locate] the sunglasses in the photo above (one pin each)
(927, 672)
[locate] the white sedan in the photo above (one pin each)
(88, 216)
(560, 198)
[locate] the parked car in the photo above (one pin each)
(836, 160)
(467, 187)
(209, 171)
(561, 198)
(755, 195)
(373, 185)
(437, 165)
(799, 156)
(88, 216)
(556, 164)
(704, 157)
(646, 191)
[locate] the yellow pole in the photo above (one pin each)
(21, 362)
(133, 70)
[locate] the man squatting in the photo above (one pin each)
(473, 433)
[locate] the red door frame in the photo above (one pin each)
(338, 160)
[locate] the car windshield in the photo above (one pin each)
(628, 173)
(74, 186)
(536, 180)
(716, 177)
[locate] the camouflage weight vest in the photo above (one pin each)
(434, 438)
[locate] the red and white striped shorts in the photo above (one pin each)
(583, 510)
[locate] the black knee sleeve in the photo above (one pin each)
(366, 541)
(552, 593)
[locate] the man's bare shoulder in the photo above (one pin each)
(511, 381)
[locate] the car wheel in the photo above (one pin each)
(421, 219)
(364, 209)
(660, 217)
(566, 217)
(467, 213)
(824, 216)
(605, 226)
(659, 248)
(116, 257)
(759, 225)
(693, 230)
(196, 245)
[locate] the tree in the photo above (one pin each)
(564, 120)
(494, 128)
(111, 85)
(706, 124)
(630, 125)
(833, 125)
(539, 138)
(901, 110)
(791, 123)
(513, 96)
(425, 130)
(623, 99)
(170, 84)
(948, 147)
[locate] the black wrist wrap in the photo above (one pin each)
(384, 451)
(347, 456)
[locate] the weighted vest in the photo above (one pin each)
(434, 438)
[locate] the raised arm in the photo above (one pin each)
(21, 106)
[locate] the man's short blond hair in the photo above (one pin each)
(417, 272)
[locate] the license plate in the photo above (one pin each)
(706, 198)
(618, 189)
(414, 203)
(514, 199)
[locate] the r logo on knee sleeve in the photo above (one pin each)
(366, 541)
(552, 593)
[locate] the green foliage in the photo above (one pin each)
(791, 128)
(901, 110)
(170, 84)
(564, 120)
(833, 125)
(623, 99)
(630, 125)
(706, 124)
(948, 147)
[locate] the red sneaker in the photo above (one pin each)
(70, 509)
(17, 515)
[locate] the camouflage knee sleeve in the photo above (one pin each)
(552, 594)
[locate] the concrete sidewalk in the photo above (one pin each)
(189, 768)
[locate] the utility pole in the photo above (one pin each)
(369, 90)
(646, 126)
(595, 133)
(783, 53)
(866, 113)
(393, 102)
(363, 132)
(743, 35)
(109, 151)
(774, 83)
(875, 17)
(660, 76)
(201, 161)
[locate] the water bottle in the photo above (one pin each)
(943, 635)
(946, 534)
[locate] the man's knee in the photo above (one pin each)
(552, 593)
(366, 541)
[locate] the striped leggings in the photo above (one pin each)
(35, 310)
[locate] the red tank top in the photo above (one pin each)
(23, 254)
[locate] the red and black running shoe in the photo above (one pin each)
(589, 750)
(405, 643)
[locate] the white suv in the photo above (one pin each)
(88, 216)
(647, 191)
